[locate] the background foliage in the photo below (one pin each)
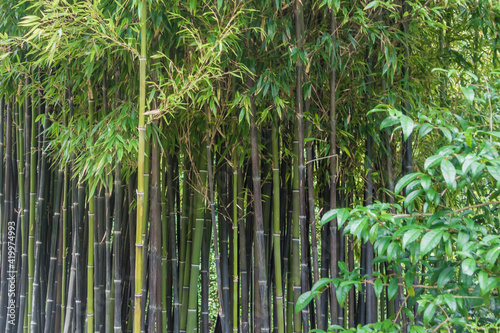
(321, 165)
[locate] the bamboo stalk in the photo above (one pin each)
(197, 238)
(172, 244)
(263, 319)
(99, 259)
(109, 284)
(155, 276)
(214, 230)
(91, 260)
(276, 229)
(90, 265)
(141, 204)
(166, 256)
(24, 188)
(40, 206)
(117, 242)
(61, 260)
(243, 269)
(299, 28)
(236, 217)
(295, 254)
(205, 282)
(8, 223)
(49, 305)
(187, 259)
(222, 185)
(334, 236)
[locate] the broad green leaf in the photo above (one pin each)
(468, 136)
(445, 276)
(425, 129)
(492, 256)
(333, 327)
(494, 171)
(358, 226)
(432, 160)
(449, 173)
(304, 300)
(469, 93)
(393, 250)
(429, 313)
(342, 215)
(467, 163)
(462, 239)
(450, 301)
(446, 133)
(412, 196)
(372, 4)
(430, 240)
(378, 286)
(425, 182)
(409, 278)
(407, 126)
(405, 180)
(417, 329)
(468, 266)
(328, 216)
(341, 292)
(486, 284)
(320, 284)
(393, 288)
(389, 121)
(410, 236)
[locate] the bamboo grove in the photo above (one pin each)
(260, 166)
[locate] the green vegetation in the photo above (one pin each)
(284, 166)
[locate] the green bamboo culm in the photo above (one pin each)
(22, 213)
(32, 216)
(139, 238)
(91, 229)
(276, 230)
(199, 202)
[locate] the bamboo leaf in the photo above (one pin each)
(373, 4)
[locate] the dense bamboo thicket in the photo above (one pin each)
(261, 166)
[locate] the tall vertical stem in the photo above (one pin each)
(334, 236)
(276, 230)
(260, 260)
(141, 204)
